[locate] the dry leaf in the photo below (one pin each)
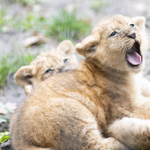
(37, 38)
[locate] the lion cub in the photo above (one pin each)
(82, 109)
(46, 64)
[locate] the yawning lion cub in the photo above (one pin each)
(98, 106)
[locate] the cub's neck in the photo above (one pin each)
(103, 75)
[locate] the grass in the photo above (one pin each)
(22, 2)
(9, 22)
(27, 2)
(67, 25)
(62, 26)
(97, 5)
(10, 64)
(2, 118)
(35, 23)
(2, 19)
(4, 137)
(30, 21)
(6, 21)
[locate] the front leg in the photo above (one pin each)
(133, 132)
(28, 89)
(145, 87)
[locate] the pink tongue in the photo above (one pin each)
(134, 59)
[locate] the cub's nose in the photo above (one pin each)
(132, 36)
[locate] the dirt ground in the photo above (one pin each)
(13, 40)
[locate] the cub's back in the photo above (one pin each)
(48, 108)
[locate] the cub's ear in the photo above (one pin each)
(88, 45)
(66, 47)
(24, 75)
(140, 22)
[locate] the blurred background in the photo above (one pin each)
(29, 27)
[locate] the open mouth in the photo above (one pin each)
(134, 56)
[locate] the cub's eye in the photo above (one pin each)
(65, 60)
(113, 33)
(49, 70)
(132, 25)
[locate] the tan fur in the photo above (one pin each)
(29, 76)
(83, 109)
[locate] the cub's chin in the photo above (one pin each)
(134, 57)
